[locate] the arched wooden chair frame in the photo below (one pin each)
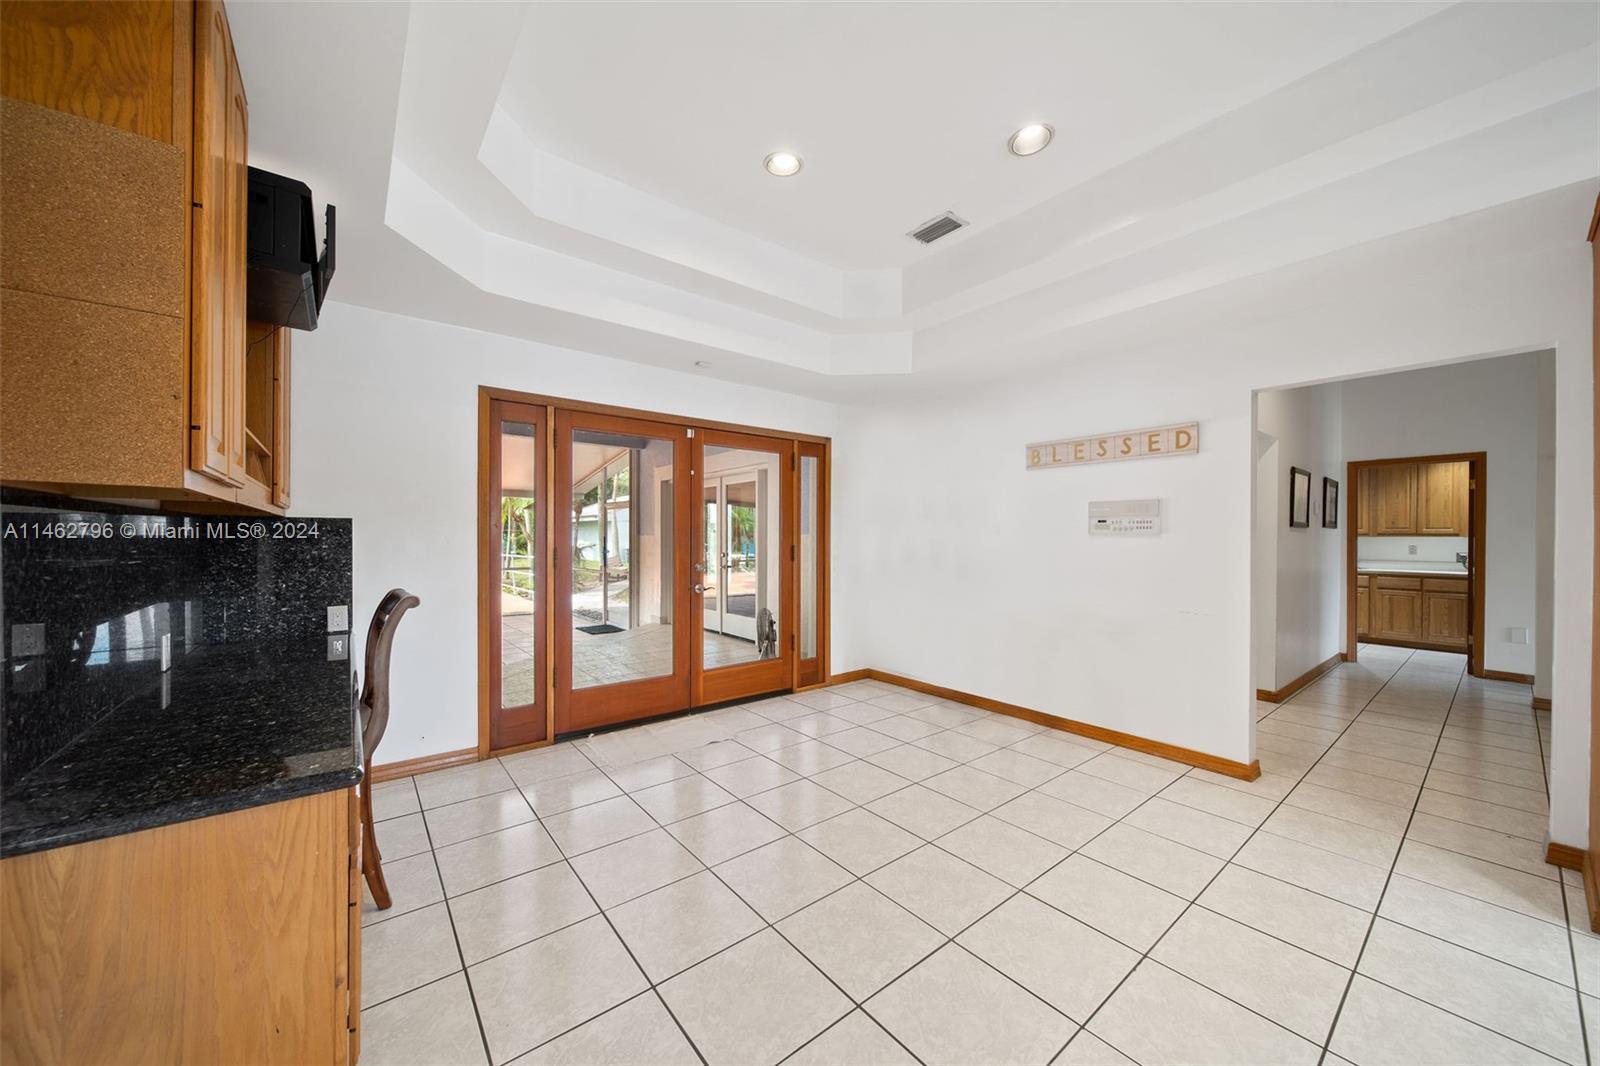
(374, 707)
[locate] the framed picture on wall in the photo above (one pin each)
(1299, 498)
(1330, 503)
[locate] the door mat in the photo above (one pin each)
(599, 630)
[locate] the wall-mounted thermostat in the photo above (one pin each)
(1125, 518)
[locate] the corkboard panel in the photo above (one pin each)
(90, 212)
(89, 393)
(113, 63)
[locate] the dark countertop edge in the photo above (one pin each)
(26, 842)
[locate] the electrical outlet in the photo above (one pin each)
(1411, 549)
(339, 619)
(27, 639)
(338, 647)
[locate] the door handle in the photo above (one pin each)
(699, 590)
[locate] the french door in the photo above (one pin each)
(744, 565)
(635, 565)
(622, 598)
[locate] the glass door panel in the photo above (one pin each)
(622, 656)
(709, 568)
(746, 629)
(813, 557)
(514, 533)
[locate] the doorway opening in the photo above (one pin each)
(1415, 565)
(634, 564)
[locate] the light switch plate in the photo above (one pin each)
(339, 619)
(338, 647)
(27, 639)
(1517, 635)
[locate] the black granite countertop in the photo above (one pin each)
(226, 728)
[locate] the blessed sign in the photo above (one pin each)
(1182, 439)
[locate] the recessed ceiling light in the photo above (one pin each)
(782, 164)
(1030, 139)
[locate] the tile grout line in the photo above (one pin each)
(1378, 904)
(1193, 902)
(601, 911)
(981, 812)
(466, 979)
(1566, 910)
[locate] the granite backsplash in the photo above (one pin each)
(90, 594)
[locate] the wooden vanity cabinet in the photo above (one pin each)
(1363, 605)
(125, 364)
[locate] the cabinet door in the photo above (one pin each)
(1444, 616)
(1363, 612)
(216, 302)
(1396, 614)
(280, 413)
(1362, 496)
(1394, 493)
(1441, 499)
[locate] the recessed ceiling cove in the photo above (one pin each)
(591, 173)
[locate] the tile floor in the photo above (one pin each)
(603, 658)
(866, 875)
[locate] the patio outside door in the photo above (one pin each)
(633, 565)
(620, 579)
(745, 565)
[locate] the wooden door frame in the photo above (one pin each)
(810, 676)
(760, 675)
(1476, 532)
(488, 566)
(552, 404)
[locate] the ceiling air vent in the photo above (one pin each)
(935, 228)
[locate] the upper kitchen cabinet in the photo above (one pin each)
(1394, 499)
(126, 365)
(1442, 493)
(1414, 499)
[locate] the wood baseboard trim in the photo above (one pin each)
(847, 677)
(1279, 695)
(1591, 888)
(1506, 675)
(422, 764)
(1565, 856)
(1540, 703)
(1214, 763)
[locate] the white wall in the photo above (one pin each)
(385, 433)
(1411, 549)
(1491, 406)
(980, 575)
(1307, 623)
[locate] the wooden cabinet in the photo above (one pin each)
(233, 938)
(1414, 499)
(1394, 499)
(1442, 495)
(216, 366)
(1414, 610)
(123, 208)
(1396, 608)
(1445, 618)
